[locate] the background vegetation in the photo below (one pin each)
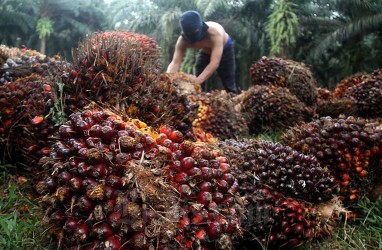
(337, 38)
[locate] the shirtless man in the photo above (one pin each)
(216, 50)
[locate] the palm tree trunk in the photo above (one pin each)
(43, 45)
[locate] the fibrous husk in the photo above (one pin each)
(217, 115)
(183, 83)
(290, 74)
(271, 108)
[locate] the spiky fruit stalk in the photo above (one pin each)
(350, 147)
(129, 186)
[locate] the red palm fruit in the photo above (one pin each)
(204, 197)
(71, 225)
(205, 186)
(184, 223)
(214, 230)
(112, 243)
(187, 163)
(82, 232)
(37, 120)
(201, 235)
(184, 190)
(176, 136)
(181, 178)
(101, 231)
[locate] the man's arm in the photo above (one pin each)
(216, 55)
(180, 49)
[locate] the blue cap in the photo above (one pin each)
(192, 25)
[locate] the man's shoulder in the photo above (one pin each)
(215, 29)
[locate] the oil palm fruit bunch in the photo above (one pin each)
(217, 115)
(279, 168)
(26, 119)
(367, 97)
(22, 63)
(351, 81)
(280, 222)
(295, 76)
(350, 147)
(118, 68)
(115, 183)
(271, 108)
(339, 103)
(278, 213)
(335, 107)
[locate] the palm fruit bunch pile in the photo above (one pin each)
(28, 117)
(23, 62)
(349, 147)
(271, 109)
(115, 183)
(287, 195)
(116, 68)
(367, 96)
(217, 115)
(292, 75)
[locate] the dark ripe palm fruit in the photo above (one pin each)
(283, 223)
(217, 115)
(292, 75)
(155, 200)
(271, 108)
(349, 147)
(296, 175)
(279, 168)
(19, 62)
(367, 97)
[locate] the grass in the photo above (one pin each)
(20, 217)
(24, 230)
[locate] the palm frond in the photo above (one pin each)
(359, 27)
